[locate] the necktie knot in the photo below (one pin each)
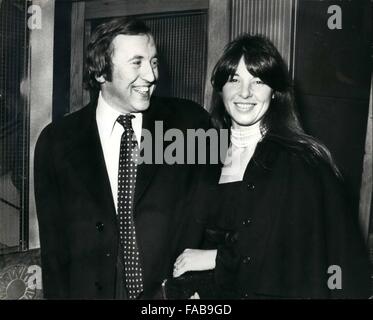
(125, 120)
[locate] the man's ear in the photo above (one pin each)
(101, 79)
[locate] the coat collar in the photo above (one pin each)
(266, 152)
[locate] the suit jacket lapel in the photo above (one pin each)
(87, 158)
(145, 172)
(88, 161)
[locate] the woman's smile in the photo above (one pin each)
(245, 106)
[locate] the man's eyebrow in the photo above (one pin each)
(142, 57)
(136, 57)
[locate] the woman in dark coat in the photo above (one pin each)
(279, 222)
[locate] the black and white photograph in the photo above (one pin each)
(199, 151)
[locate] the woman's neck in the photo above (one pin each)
(245, 136)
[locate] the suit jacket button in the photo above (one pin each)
(251, 186)
(231, 237)
(108, 254)
(246, 222)
(246, 260)
(100, 226)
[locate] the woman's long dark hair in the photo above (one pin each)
(281, 121)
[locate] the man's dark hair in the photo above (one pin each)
(100, 49)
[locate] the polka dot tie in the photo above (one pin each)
(126, 190)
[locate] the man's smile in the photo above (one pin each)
(142, 90)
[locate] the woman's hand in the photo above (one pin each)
(194, 260)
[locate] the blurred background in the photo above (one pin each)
(328, 50)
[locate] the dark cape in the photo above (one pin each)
(288, 230)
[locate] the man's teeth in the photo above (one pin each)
(141, 89)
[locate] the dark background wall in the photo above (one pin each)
(332, 79)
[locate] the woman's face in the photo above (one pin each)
(246, 98)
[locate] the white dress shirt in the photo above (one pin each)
(110, 132)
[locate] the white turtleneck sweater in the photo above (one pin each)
(242, 147)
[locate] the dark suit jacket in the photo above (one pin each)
(281, 228)
(75, 208)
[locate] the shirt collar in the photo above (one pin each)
(107, 116)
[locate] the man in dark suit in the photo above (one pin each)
(77, 188)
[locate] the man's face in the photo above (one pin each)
(134, 73)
